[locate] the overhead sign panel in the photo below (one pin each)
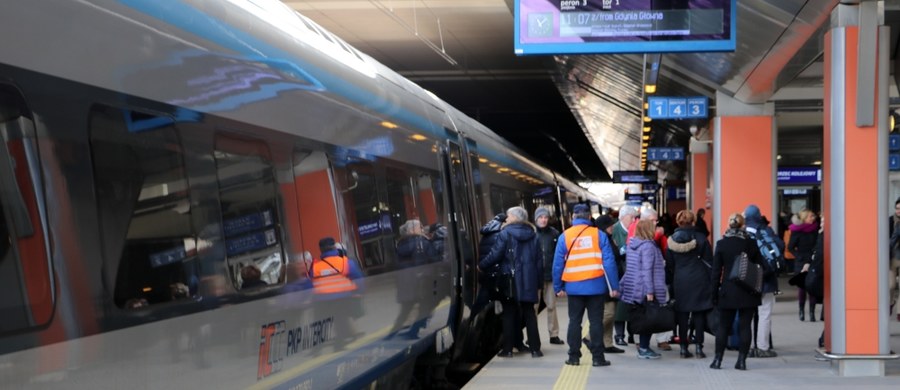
(662, 107)
(799, 175)
(640, 177)
(624, 26)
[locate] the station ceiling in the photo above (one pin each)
(581, 115)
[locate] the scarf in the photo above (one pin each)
(739, 233)
(804, 228)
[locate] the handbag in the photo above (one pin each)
(746, 274)
(506, 286)
(651, 317)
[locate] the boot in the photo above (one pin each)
(685, 353)
(801, 314)
(741, 363)
(699, 352)
(812, 313)
(717, 362)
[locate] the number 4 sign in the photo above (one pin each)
(660, 107)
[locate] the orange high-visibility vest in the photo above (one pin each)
(330, 275)
(585, 259)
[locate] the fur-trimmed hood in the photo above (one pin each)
(681, 247)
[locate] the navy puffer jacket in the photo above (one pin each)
(517, 248)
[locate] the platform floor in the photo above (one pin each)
(796, 366)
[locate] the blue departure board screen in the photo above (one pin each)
(624, 26)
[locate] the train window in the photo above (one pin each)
(26, 289)
(250, 223)
(502, 198)
(144, 207)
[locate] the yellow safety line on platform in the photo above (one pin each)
(575, 377)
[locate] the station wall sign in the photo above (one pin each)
(665, 154)
(623, 26)
(638, 177)
(662, 107)
(799, 175)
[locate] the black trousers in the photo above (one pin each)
(594, 306)
(726, 320)
(683, 318)
(513, 312)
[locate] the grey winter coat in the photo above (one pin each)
(517, 248)
(645, 272)
(689, 259)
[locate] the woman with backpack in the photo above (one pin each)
(802, 244)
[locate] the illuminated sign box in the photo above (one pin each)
(624, 26)
(638, 177)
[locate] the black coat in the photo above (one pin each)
(489, 234)
(547, 238)
(517, 247)
(689, 260)
(729, 294)
(802, 245)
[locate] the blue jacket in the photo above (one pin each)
(591, 286)
(521, 238)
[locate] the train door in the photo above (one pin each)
(461, 223)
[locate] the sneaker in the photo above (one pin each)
(620, 341)
(765, 354)
(664, 346)
(556, 340)
(647, 354)
(573, 360)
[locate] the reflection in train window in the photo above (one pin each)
(26, 290)
(248, 196)
(144, 207)
(357, 181)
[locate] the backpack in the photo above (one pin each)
(769, 248)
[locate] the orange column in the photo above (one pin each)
(855, 173)
(699, 182)
(743, 167)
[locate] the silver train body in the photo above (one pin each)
(154, 150)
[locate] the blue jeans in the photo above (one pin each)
(594, 306)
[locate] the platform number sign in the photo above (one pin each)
(661, 107)
(665, 154)
(894, 162)
(894, 142)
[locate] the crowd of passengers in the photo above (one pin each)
(609, 267)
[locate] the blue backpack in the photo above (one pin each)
(770, 247)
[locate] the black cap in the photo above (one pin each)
(326, 243)
(500, 217)
(581, 208)
(604, 221)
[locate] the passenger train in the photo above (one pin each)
(154, 151)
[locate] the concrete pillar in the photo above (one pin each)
(855, 175)
(744, 169)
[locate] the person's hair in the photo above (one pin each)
(897, 202)
(627, 211)
(646, 229)
(804, 214)
(736, 221)
(649, 212)
(250, 272)
(410, 227)
(701, 212)
(519, 212)
(684, 218)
